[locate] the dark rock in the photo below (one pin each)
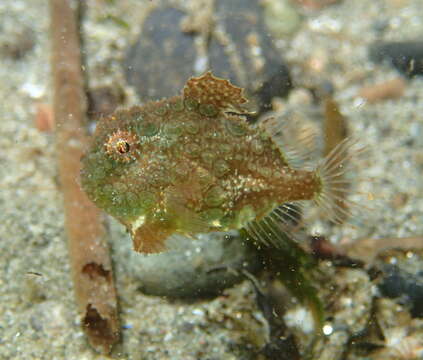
(402, 277)
(239, 48)
(283, 348)
(16, 42)
(160, 62)
(102, 101)
(243, 21)
(405, 56)
(191, 268)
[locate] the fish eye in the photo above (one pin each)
(120, 145)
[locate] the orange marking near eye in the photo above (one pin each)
(120, 145)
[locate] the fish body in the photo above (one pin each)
(193, 164)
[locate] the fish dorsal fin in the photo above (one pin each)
(209, 90)
(296, 142)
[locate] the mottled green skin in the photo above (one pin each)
(178, 145)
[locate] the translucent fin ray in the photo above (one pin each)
(296, 146)
(150, 238)
(276, 227)
(334, 172)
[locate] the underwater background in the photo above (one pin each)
(335, 68)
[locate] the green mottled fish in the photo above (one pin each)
(193, 164)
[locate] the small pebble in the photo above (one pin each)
(402, 278)
(191, 268)
(44, 119)
(391, 89)
(405, 56)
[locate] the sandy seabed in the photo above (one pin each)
(38, 318)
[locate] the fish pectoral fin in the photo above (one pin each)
(186, 220)
(150, 238)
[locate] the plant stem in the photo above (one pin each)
(86, 233)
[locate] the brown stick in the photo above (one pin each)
(335, 125)
(367, 249)
(89, 257)
(391, 89)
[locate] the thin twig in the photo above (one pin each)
(88, 252)
(367, 249)
(335, 125)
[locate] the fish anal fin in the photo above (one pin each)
(290, 262)
(278, 228)
(208, 89)
(150, 238)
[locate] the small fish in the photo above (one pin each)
(193, 164)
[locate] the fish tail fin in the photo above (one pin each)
(336, 175)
